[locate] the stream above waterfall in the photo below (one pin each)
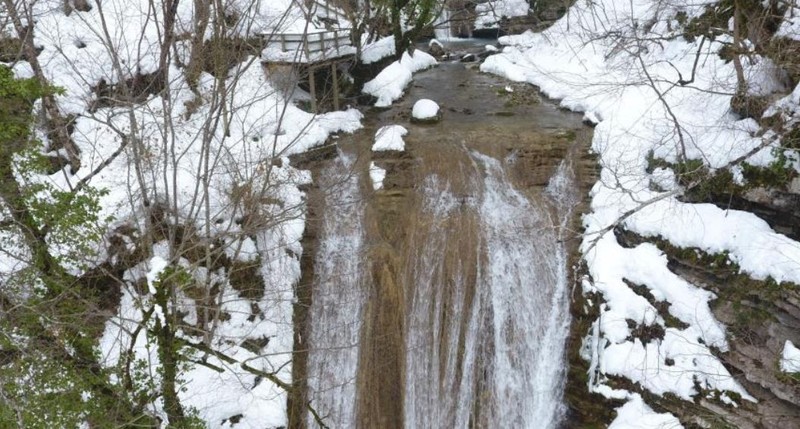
(441, 300)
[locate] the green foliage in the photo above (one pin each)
(708, 185)
(70, 219)
(49, 372)
(712, 23)
(40, 390)
(777, 174)
(44, 393)
(408, 20)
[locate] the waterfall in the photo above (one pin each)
(441, 330)
(441, 27)
(489, 313)
(338, 297)
(523, 289)
(441, 300)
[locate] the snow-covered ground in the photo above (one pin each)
(594, 60)
(491, 12)
(202, 162)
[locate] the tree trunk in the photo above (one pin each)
(55, 123)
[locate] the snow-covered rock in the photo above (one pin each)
(390, 137)
(425, 110)
(436, 48)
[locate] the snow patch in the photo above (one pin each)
(378, 50)
(790, 358)
(635, 414)
(376, 174)
(390, 137)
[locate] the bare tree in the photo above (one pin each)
(199, 137)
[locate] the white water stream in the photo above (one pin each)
(442, 26)
(504, 350)
(338, 298)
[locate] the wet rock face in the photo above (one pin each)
(780, 208)
(759, 318)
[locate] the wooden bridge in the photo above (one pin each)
(314, 49)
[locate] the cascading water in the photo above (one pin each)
(524, 277)
(338, 298)
(441, 301)
(442, 26)
(440, 343)
(487, 325)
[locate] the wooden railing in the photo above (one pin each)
(324, 45)
(323, 9)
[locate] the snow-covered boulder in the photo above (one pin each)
(425, 110)
(436, 48)
(390, 137)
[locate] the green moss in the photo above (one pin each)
(751, 299)
(704, 185)
(790, 378)
(791, 139)
(682, 17)
(711, 23)
(775, 175)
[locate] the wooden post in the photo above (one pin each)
(336, 41)
(312, 85)
(335, 76)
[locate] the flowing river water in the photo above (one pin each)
(441, 300)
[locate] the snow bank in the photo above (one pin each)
(425, 109)
(491, 12)
(390, 137)
(380, 49)
(390, 83)
(635, 414)
(573, 61)
(790, 27)
(790, 358)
